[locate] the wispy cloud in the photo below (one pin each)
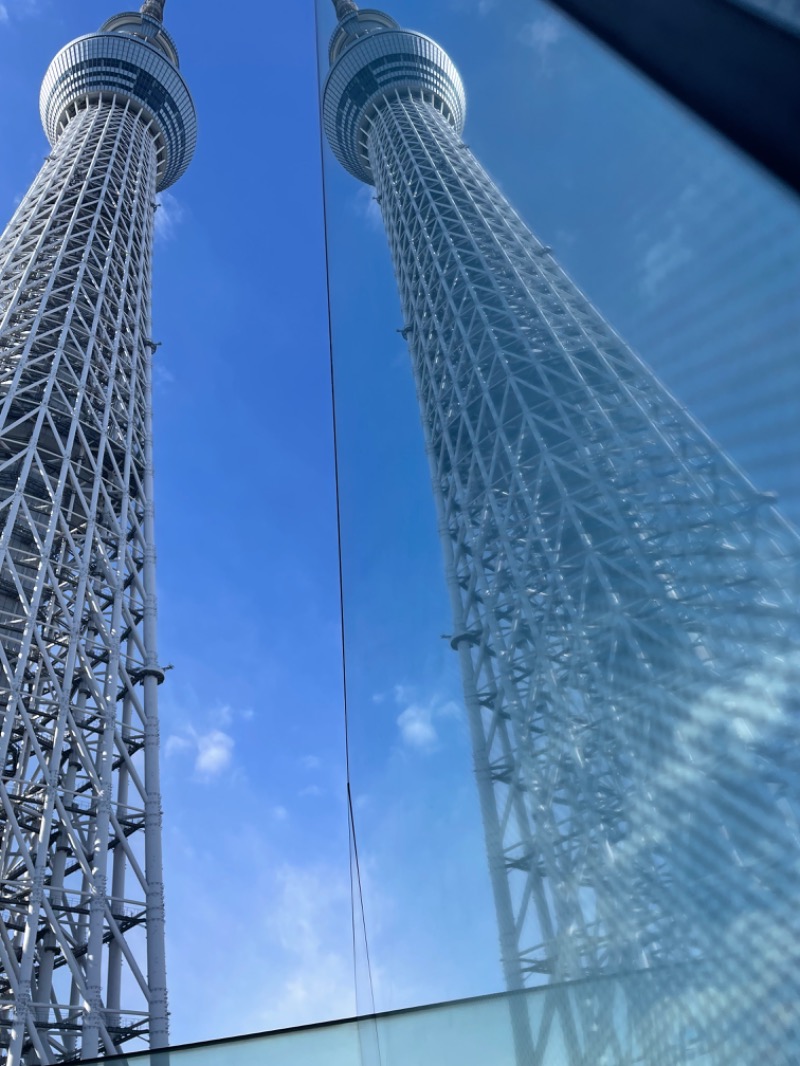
(169, 215)
(212, 751)
(304, 925)
(417, 728)
(176, 745)
(666, 256)
(19, 9)
(162, 377)
(419, 719)
(718, 783)
(368, 208)
(295, 916)
(542, 35)
(214, 754)
(483, 7)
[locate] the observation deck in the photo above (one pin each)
(372, 59)
(130, 58)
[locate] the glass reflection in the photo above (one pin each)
(624, 600)
(468, 1033)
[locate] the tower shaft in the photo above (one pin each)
(82, 967)
(624, 604)
(79, 724)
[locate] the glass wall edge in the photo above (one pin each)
(529, 995)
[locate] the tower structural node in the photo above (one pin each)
(82, 966)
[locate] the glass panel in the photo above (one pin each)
(505, 1030)
(573, 745)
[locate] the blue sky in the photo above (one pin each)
(686, 249)
(255, 829)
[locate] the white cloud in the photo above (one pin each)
(418, 720)
(311, 762)
(161, 375)
(176, 744)
(311, 790)
(317, 979)
(368, 207)
(214, 754)
(224, 715)
(169, 215)
(542, 35)
(19, 9)
(290, 925)
(417, 729)
(213, 751)
(672, 251)
(483, 7)
(665, 258)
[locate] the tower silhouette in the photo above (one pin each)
(625, 611)
(82, 966)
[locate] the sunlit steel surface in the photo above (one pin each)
(81, 900)
(625, 610)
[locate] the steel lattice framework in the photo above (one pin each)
(81, 899)
(625, 607)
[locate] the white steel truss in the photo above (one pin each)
(82, 966)
(625, 610)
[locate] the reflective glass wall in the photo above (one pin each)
(465, 1033)
(645, 803)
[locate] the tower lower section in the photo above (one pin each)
(81, 899)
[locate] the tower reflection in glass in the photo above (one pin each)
(625, 611)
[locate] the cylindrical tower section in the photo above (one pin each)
(132, 58)
(373, 60)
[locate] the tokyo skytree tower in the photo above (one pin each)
(625, 611)
(82, 966)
